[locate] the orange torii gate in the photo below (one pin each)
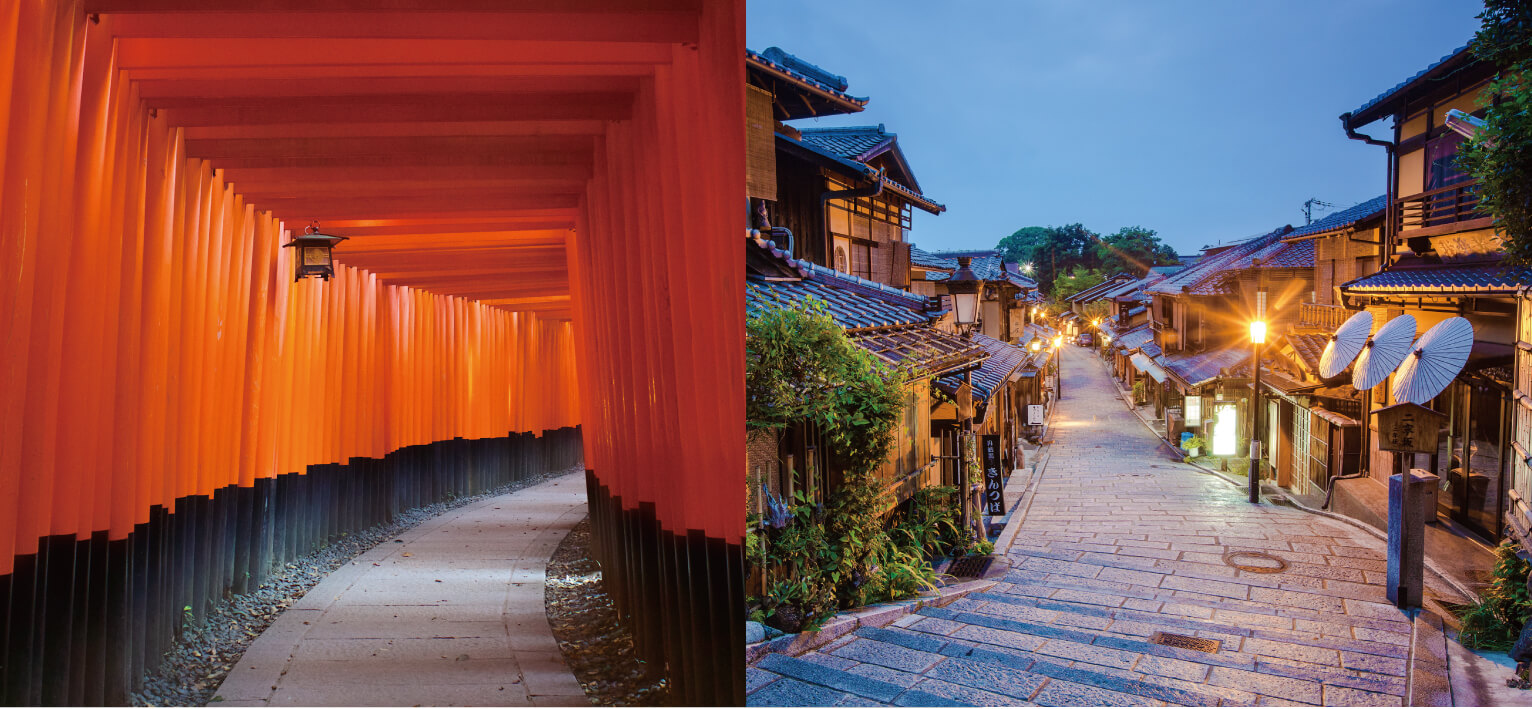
(543, 199)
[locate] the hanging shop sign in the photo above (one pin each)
(994, 485)
(1034, 414)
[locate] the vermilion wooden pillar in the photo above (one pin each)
(661, 333)
(176, 414)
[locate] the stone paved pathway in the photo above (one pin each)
(1121, 542)
(452, 616)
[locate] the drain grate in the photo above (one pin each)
(1185, 642)
(970, 566)
(1277, 564)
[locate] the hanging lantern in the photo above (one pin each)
(964, 289)
(314, 257)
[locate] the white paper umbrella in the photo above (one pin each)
(1345, 344)
(1437, 357)
(1383, 352)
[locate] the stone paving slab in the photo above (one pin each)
(1121, 541)
(452, 616)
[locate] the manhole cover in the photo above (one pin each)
(970, 566)
(1265, 563)
(1185, 642)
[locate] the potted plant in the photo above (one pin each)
(1139, 391)
(1194, 446)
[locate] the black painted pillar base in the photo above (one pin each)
(82, 620)
(683, 596)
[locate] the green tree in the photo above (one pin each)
(1020, 246)
(1500, 156)
(1096, 310)
(1133, 249)
(1076, 280)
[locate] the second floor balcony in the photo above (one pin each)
(1325, 317)
(1440, 211)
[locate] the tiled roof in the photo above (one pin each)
(1309, 346)
(805, 73)
(1104, 289)
(1013, 274)
(1386, 95)
(925, 259)
(852, 305)
(860, 169)
(1219, 283)
(1135, 338)
(1136, 311)
(1198, 369)
(1031, 330)
(1122, 290)
(851, 142)
(1151, 349)
(1207, 273)
(923, 348)
(1343, 218)
(1298, 254)
(986, 266)
(765, 257)
(1003, 359)
(1443, 278)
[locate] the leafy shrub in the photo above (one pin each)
(1496, 621)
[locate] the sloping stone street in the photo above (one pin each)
(1121, 542)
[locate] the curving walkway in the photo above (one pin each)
(453, 615)
(1122, 542)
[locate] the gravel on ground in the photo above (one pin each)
(197, 663)
(597, 648)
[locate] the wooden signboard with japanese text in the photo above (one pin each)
(994, 484)
(1408, 428)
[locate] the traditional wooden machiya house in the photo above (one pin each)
(902, 329)
(1313, 425)
(1441, 259)
(1200, 318)
(832, 210)
(842, 197)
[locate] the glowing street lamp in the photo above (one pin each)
(963, 286)
(1257, 332)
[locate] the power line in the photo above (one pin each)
(1308, 209)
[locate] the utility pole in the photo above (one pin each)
(1308, 209)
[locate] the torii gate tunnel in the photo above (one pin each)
(543, 200)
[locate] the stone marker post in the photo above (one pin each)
(1407, 429)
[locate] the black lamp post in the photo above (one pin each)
(963, 286)
(1257, 338)
(314, 257)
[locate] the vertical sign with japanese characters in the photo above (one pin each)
(994, 485)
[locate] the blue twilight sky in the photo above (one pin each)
(1205, 121)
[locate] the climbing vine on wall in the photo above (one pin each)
(801, 368)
